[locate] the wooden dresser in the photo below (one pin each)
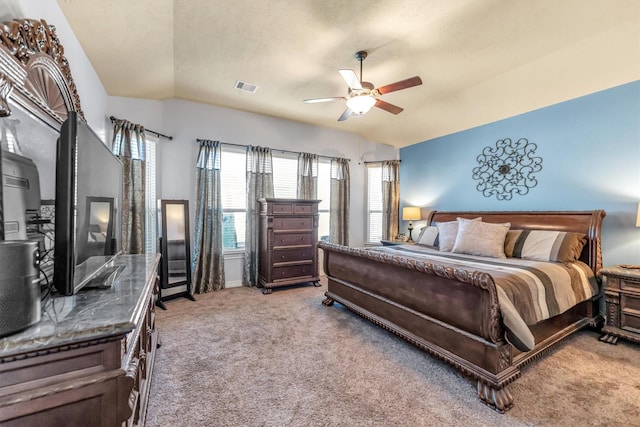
(288, 242)
(89, 361)
(622, 298)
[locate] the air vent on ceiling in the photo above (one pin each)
(247, 87)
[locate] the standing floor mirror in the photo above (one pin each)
(175, 277)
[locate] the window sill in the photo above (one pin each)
(233, 254)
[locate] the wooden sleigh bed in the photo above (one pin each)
(452, 312)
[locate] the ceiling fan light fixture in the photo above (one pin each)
(360, 104)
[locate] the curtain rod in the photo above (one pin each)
(273, 149)
(158, 134)
(380, 161)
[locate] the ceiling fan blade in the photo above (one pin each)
(345, 115)
(350, 77)
(402, 84)
(314, 100)
(393, 109)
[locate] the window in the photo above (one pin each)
(285, 185)
(9, 135)
(233, 184)
(324, 194)
(374, 203)
(151, 227)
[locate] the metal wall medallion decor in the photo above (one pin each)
(508, 168)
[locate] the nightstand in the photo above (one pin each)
(395, 243)
(622, 298)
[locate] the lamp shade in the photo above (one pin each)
(638, 217)
(360, 104)
(411, 213)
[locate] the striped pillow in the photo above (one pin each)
(543, 245)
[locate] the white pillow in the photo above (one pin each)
(447, 233)
(429, 236)
(481, 238)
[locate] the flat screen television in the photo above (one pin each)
(89, 186)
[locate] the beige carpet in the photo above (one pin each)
(240, 358)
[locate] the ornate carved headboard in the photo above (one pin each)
(34, 72)
(587, 222)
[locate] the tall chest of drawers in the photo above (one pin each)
(288, 243)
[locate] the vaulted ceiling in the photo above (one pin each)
(479, 60)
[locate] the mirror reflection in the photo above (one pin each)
(99, 214)
(98, 226)
(176, 245)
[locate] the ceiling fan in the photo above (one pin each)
(362, 96)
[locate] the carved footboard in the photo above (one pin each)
(451, 313)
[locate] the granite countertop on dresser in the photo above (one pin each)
(617, 270)
(89, 314)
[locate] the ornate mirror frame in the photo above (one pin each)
(34, 73)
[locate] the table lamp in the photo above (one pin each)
(411, 213)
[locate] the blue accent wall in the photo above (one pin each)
(590, 148)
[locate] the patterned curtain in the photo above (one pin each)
(307, 176)
(259, 185)
(339, 211)
(129, 145)
(390, 198)
(208, 259)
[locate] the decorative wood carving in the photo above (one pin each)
(504, 357)
(5, 89)
(32, 60)
(613, 310)
(54, 350)
(476, 278)
(622, 298)
(499, 399)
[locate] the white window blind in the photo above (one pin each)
(374, 202)
(233, 179)
(324, 194)
(151, 225)
(233, 188)
(285, 185)
(285, 177)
